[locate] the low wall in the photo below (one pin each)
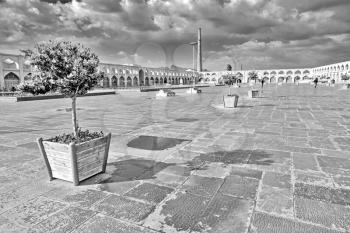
(47, 97)
(145, 89)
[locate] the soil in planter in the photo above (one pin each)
(83, 136)
(154, 143)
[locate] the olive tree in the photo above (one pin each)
(64, 67)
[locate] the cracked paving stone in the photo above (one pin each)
(149, 192)
(180, 213)
(246, 172)
(225, 214)
(123, 208)
(276, 201)
(264, 223)
(330, 215)
(326, 194)
(238, 186)
(82, 198)
(204, 186)
(277, 180)
(104, 224)
(34, 211)
(63, 221)
(313, 178)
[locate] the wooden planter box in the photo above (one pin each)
(75, 162)
(230, 101)
(253, 93)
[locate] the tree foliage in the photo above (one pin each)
(228, 67)
(65, 67)
(253, 75)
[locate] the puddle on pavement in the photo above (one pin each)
(186, 119)
(154, 143)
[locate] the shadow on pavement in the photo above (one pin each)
(134, 169)
(258, 157)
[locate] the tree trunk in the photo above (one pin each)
(74, 116)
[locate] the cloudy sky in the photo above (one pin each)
(259, 34)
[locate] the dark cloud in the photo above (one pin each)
(257, 33)
(56, 1)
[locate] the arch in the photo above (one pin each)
(289, 79)
(306, 72)
(281, 72)
(266, 79)
(161, 81)
(11, 81)
(129, 82)
(105, 83)
(280, 79)
(297, 72)
(151, 81)
(121, 81)
(141, 75)
(305, 77)
(156, 81)
(273, 73)
(146, 81)
(165, 80)
(347, 66)
(297, 78)
(272, 79)
(114, 82)
(289, 72)
(135, 81)
(266, 73)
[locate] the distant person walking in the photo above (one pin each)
(316, 81)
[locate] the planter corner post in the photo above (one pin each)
(74, 160)
(42, 150)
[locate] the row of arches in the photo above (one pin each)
(333, 68)
(115, 82)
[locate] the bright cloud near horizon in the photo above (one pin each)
(259, 34)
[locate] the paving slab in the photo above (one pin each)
(242, 187)
(104, 224)
(264, 223)
(203, 186)
(64, 221)
(124, 208)
(179, 213)
(326, 194)
(149, 192)
(331, 215)
(225, 214)
(33, 211)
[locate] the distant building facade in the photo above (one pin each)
(15, 69)
(329, 72)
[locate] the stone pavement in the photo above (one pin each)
(280, 163)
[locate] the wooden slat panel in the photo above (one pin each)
(87, 145)
(90, 166)
(56, 146)
(91, 159)
(92, 172)
(92, 151)
(57, 154)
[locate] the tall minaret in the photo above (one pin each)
(199, 51)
